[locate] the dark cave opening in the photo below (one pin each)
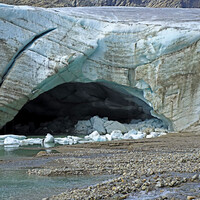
(59, 109)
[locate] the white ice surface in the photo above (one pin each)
(10, 140)
(19, 137)
(49, 138)
(137, 132)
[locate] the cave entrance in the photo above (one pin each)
(59, 109)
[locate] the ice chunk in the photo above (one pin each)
(116, 134)
(19, 137)
(93, 134)
(155, 134)
(49, 145)
(134, 134)
(10, 147)
(11, 141)
(100, 138)
(139, 135)
(49, 138)
(70, 140)
(130, 134)
(109, 137)
(30, 141)
(162, 133)
(74, 137)
(152, 135)
(64, 140)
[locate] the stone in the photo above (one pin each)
(159, 184)
(114, 125)
(147, 54)
(41, 153)
(83, 127)
(191, 197)
(195, 177)
(98, 124)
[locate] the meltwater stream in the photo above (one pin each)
(16, 184)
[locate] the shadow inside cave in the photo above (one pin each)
(59, 109)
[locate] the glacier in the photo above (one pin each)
(149, 53)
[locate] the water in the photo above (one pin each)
(18, 152)
(16, 184)
(181, 192)
(178, 192)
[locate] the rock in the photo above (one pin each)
(138, 51)
(144, 3)
(172, 183)
(159, 184)
(83, 127)
(114, 125)
(191, 197)
(98, 124)
(41, 153)
(148, 130)
(195, 177)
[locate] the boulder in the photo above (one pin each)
(83, 127)
(114, 125)
(98, 124)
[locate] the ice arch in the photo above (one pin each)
(78, 101)
(156, 52)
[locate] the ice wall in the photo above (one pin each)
(153, 51)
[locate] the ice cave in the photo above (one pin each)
(135, 59)
(59, 109)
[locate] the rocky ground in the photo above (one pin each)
(169, 166)
(135, 3)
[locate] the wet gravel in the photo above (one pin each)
(160, 168)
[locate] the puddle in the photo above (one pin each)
(18, 185)
(181, 192)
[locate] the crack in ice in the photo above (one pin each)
(20, 51)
